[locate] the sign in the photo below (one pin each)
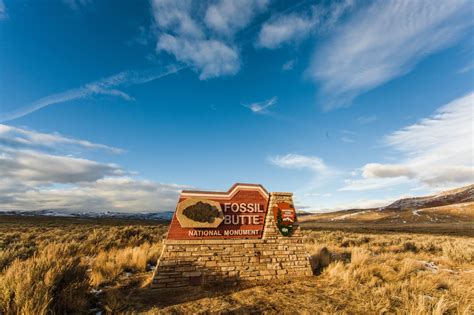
(285, 216)
(237, 213)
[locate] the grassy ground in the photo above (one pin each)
(69, 265)
(454, 229)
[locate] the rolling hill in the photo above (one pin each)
(452, 206)
(449, 197)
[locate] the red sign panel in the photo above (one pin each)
(287, 213)
(238, 213)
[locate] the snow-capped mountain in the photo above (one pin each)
(161, 216)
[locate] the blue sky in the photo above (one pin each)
(118, 105)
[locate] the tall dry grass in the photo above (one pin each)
(59, 268)
(53, 269)
(51, 281)
(399, 273)
(107, 266)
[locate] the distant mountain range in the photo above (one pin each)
(449, 206)
(161, 216)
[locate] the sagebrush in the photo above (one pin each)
(71, 267)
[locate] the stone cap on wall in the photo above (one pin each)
(225, 194)
(281, 193)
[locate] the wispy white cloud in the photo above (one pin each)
(3, 10)
(364, 184)
(375, 170)
(347, 139)
(467, 68)
(229, 16)
(314, 194)
(364, 120)
(77, 4)
(318, 180)
(31, 177)
(348, 136)
(261, 107)
(201, 34)
(358, 204)
(297, 161)
(289, 65)
(176, 16)
(28, 166)
(383, 41)
(445, 137)
(293, 27)
(213, 58)
(437, 151)
(106, 86)
(14, 137)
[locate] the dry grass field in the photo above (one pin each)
(65, 265)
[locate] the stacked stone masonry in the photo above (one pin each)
(197, 262)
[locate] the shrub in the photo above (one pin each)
(324, 257)
(410, 247)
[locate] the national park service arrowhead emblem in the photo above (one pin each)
(285, 217)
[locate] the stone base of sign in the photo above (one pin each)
(197, 262)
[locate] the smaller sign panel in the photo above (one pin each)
(237, 213)
(285, 216)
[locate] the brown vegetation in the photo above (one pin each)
(68, 266)
(56, 266)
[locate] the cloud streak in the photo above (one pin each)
(282, 29)
(299, 162)
(287, 28)
(289, 65)
(364, 120)
(77, 4)
(320, 175)
(213, 58)
(437, 151)
(261, 107)
(14, 137)
(106, 86)
(383, 41)
(29, 166)
(227, 17)
(3, 10)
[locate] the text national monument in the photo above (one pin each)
(243, 234)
